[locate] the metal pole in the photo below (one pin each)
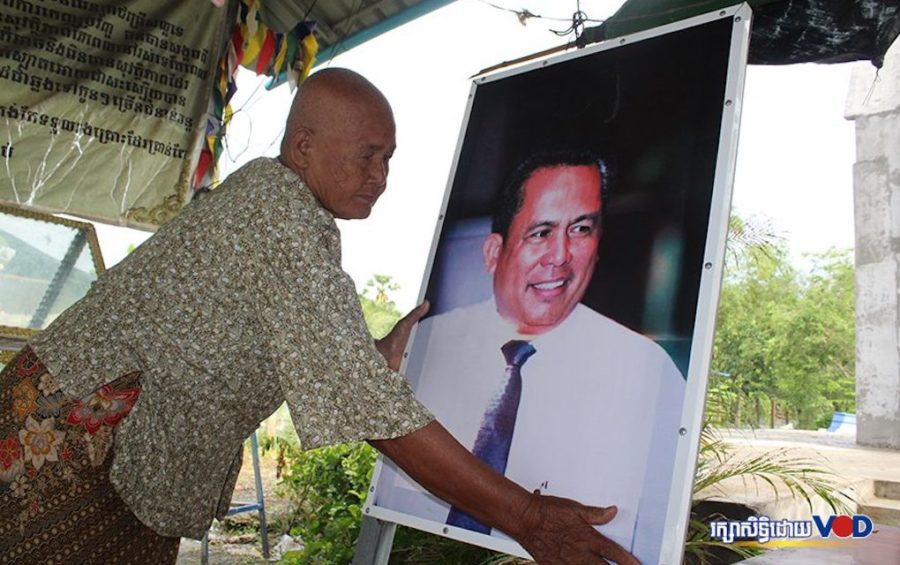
(263, 532)
(376, 538)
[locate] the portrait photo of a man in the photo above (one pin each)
(564, 284)
(524, 377)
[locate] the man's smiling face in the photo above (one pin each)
(543, 266)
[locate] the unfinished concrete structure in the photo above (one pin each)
(874, 105)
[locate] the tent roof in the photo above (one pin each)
(784, 31)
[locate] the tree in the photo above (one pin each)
(783, 338)
(817, 363)
(752, 317)
(382, 284)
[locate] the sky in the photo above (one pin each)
(795, 155)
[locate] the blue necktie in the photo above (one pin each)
(496, 431)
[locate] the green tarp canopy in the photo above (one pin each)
(784, 31)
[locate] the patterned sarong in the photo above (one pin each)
(56, 502)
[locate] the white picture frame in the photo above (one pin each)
(674, 173)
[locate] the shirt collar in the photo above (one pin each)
(508, 331)
(295, 183)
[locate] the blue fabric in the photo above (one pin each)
(496, 432)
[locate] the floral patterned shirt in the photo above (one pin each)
(236, 305)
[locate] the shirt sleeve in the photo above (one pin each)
(337, 385)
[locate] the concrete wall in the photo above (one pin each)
(874, 104)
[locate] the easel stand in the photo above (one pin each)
(376, 537)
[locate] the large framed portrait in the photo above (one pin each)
(574, 278)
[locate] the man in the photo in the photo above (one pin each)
(543, 389)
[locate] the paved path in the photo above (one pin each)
(839, 453)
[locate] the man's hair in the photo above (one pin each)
(511, 196)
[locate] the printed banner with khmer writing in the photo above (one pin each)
(102, 102)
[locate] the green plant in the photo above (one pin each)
(327, 488)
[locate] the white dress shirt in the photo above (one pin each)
(597, 420)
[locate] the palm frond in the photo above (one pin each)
(750, 238)
(800, 477)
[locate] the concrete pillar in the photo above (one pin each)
(874, 104)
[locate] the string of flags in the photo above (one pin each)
(285, 57)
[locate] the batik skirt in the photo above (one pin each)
(56, 502)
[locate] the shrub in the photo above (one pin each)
(327, 488)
